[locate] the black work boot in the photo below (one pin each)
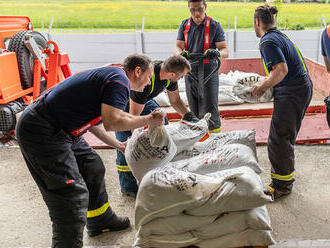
(107, 222)
(276, 192)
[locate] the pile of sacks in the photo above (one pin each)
(234, 88)
(207, 194)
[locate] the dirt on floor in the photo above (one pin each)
(24, 220)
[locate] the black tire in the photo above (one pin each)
(24, 57)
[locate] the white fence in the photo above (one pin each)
(92, 50)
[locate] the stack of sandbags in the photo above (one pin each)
(234, 88)
(214, 199)
(177, 208)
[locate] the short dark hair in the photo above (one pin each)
(135, 60)
(266, 14)
(176, 64)
(196, 1)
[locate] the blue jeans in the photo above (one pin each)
(126, 179)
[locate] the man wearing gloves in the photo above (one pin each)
(68, 172)
(202, 34)
(165, 77)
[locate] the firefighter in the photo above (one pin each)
(202, 34)
(293, 89)
(68, 172)
(165, 77)
(325, 44)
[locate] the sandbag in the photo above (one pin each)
(248, 237)
(234, 222)
(175, 225)
(147, 149)
(244, 137)
(167, 191)
(227, 97)
(236, 194)
(224, 157)
(186, 134)
(162, 100)
(243, 89)
(166, 241)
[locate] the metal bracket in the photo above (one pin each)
(34, 49)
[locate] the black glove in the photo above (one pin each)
(191, 117)
(185, 54)
(211, 53)
(327, 103)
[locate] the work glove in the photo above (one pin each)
(191, 117)
(185, 54)
(327, 103)
(211, 53)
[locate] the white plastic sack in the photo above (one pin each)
(243, 89)
(147, 149)
(234, 222)
(185, 134)
(240, 193)
(162, 99)
(224, 157)
(181, 85)
(166, 191)
(227, 97)
(244, 137)
(248, 237)
(175, 225)
(166, 241)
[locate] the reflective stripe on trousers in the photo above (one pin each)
(290, 105)
(68, 172)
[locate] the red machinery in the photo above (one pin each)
(29, 64)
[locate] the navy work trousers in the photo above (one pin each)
(203, 96)
(290, 105)
(68, 172)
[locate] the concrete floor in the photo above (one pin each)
(304, 215)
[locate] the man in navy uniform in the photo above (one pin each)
(68, 172)
(165, 77)
(202, 34)
(293, 89)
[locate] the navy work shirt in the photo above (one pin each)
(157, 86)
(78, 99)
(275, 48)
(325, 43)
(196, 35)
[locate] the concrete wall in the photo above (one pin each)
(92, 50)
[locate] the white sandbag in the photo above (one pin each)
(234, 222)
(185, 134)
(244, 137)
(181, 85)
(227, 97)
(162, 99)
(221, 158)
(166, 191)
(184, 98)
(175, 225)
(231, 77)
(240, 193)
(166, 241)
(243, 89)
(248, 237)
(147, 149)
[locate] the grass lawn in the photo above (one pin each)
(118, 15)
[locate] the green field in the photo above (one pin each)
(159, 15)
